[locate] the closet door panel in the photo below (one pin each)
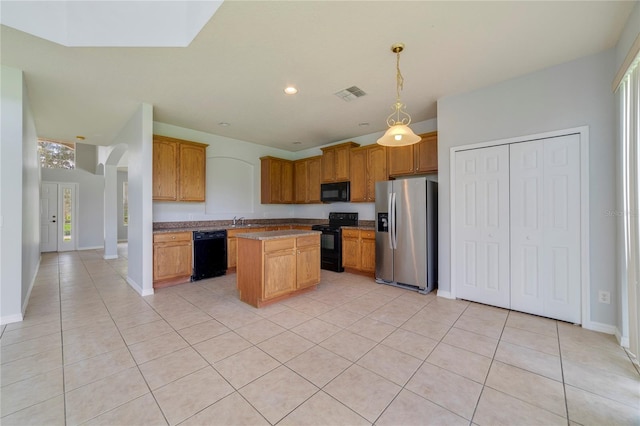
(526, 170)
(482, 225)
(561, 243)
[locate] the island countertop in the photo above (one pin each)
(272, 235)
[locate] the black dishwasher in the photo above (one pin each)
(209, 254)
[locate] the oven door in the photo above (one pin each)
(331, 250)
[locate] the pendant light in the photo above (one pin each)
(399, 133)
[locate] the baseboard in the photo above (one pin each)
(90, 248)
(622, 340)
(138, 288)
(600, 327)
(444, 294)
(33, 282)
(10, 319)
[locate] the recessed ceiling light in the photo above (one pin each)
(363, 124)
(297, 143)
(290, 90)
(80, 138)
(224, 124)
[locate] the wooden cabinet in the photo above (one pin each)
(335, 162)
(368, 251)
(307, 179)
(276, 181)
(272, 269)
(179, 170)
(172, 258)
(414, 159)
(359, 250)
(368, 166)
(351, 248)
(232, 244)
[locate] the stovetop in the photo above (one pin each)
(337, 219)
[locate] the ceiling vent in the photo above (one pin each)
(350, 93)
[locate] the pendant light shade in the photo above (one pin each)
(399, 133)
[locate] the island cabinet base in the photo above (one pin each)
(273, 269)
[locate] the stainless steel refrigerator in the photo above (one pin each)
(406, 233)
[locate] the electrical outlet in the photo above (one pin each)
(604, 297)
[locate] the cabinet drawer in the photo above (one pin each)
(369, 235)
(351, 233)
(308, 240)
(279, 244)
(172, 236)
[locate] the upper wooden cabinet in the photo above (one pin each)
(368, 166)
(276, 181)
(307, 179)
(414, 159)
(335, 162)
(179, 169)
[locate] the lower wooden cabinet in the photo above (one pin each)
(359, 250)
(172, 258)
(232, 244)
(272, 269)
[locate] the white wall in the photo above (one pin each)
(569, 95)
(137, 134)
(90, 204)
(19, 197)
(233, 180)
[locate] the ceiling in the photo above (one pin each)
(236, 68)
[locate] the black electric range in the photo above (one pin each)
(331, 239)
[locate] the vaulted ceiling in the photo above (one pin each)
(235, 69)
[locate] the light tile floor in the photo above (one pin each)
(92, 351)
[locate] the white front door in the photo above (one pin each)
(48, 217)
(481, 271)
(545, 227)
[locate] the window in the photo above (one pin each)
(56, 155)
(628, 93)
(125, 203)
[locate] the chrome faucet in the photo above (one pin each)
(236, 220)
(241, 220)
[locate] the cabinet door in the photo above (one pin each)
(300, 180)
(232, 252)
(192, 166)
(165, 170)
(400, 160)
(426, 153)
(279, 273)
(308, 266)
(342, 159)
(368, 251)
(351, 249)
(314, 174)
(286, 194)
(376, 169)
(328, 165)
(359, 175)
(171, 260)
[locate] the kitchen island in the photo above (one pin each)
(275, 265)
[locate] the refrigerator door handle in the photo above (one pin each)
(390, 198)
(394, 245)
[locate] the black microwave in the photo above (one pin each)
(334, 192)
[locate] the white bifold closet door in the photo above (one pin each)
(545, 227)
(482, 225)
(517, 226)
